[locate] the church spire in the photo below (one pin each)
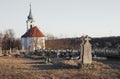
(30, 17)
(30, 20)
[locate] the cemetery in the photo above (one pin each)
(82, 63)
(34, 56)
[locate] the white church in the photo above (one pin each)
(33, 39)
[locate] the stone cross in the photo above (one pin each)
(87, 39)
(86, 50)
(81, 47)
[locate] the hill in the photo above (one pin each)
(110, 42)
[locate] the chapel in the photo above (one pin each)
(33, 39)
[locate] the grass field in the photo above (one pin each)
(26, 68)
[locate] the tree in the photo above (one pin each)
(17, 44)
(1, 38)
(50, 36)
(35, 42)
(5, 41)
(118, 48)
(8, 39)
(95, 46)
(107, 45)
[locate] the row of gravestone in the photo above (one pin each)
(58, 53)
(84, 53)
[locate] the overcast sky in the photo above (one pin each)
(63, 18)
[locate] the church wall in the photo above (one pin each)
(43, 42)
(33, 43)
(24, 43)
(38, 42)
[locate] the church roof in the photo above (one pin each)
(33, 32)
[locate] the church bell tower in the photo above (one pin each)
(30, 20)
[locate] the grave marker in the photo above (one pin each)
(85, 46)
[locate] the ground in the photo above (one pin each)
(27, 68)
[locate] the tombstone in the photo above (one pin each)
(10, 51)
(86, 53)
(81, 47)
(0, 51)
(58, 53)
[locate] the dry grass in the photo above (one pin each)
(23, 68)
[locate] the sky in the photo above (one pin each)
(63, 18)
